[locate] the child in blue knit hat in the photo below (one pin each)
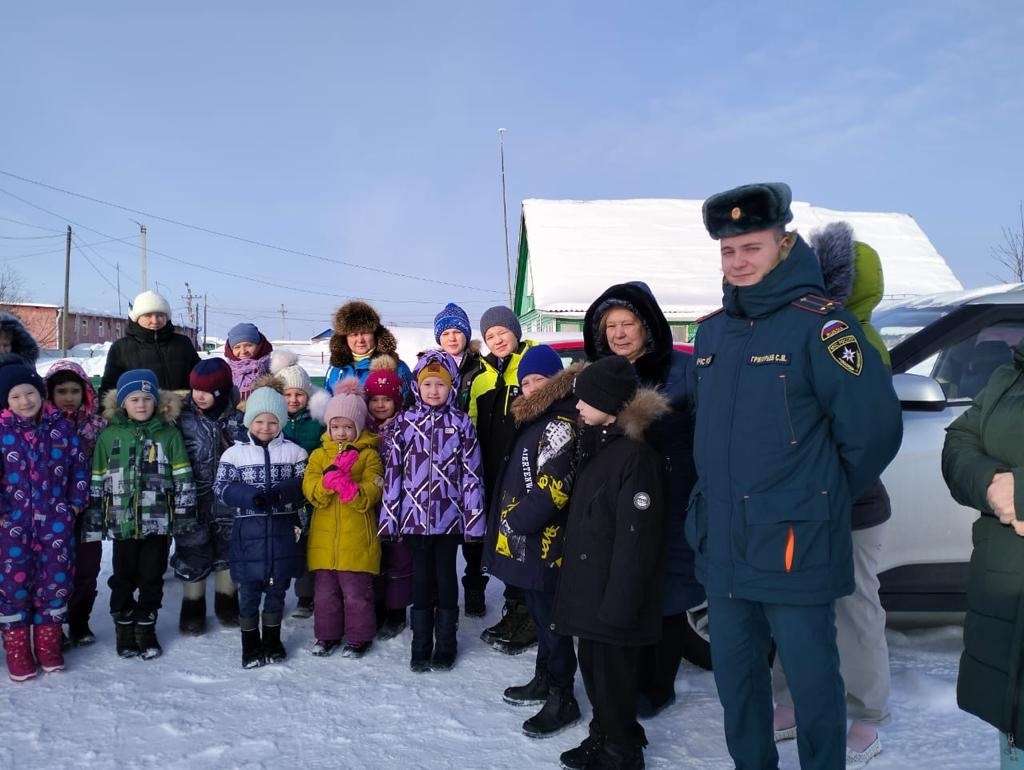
(248, 354)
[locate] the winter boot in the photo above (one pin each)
(192, 620)
(225, 599)
(523, 636)
(252, 647)
(619, 756)
(124, 634)
(20, 663)
(145, 635)
(46, 639)
(510, 618)
(272, 646)
(355, 650)
(324, 648)
(304, 608)
(533, 693)
(559, 712)
(393, 625)
(581, 756)
(445, 644)
(473, 597)
(79, 610)
(422, 622)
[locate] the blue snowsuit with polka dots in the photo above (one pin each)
(45, 478)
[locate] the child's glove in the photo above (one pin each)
(340, 482)
(345, 460)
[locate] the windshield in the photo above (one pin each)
(895, 324)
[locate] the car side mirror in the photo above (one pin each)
(919, 393)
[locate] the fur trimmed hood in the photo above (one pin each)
(644, 409)
(24, 348)
(558, 387)
(834, 246)
(359, 316)
(168, 407)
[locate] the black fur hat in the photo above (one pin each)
(748, 209)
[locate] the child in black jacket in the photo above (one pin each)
(609, 591)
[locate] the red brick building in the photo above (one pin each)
(84, 326)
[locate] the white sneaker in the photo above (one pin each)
(858, 759)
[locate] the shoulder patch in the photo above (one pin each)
(709, 315)
(842, 346)
(812, 303)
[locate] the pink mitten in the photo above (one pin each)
(341, 483)
(345, 460)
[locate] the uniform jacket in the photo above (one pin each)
(169, 354)
(490, 403)
(796, 417)
(667, 370)
(87, 420)
(432, 471)
(527, 514)
(343, 536)
(611, 580)
(45, 477)
(263, 546)
(983, 441)
(142, 480)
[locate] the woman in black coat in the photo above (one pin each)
(150, 342)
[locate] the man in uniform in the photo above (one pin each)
(795, 417)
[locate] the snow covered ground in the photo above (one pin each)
(197, 708)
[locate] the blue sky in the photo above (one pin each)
(367, 133)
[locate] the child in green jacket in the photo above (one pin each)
(141, 493)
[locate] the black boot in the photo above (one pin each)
(581, 756)
(446, 645)
(192, 619)
(252, 647)
(124, 634)
(619, 756)
(79, 610)
(511, 616)
(474, 597)
(394, 624)
(532, 693)
(523, 636)
(145, 635)
(422, 622)
(225, 607)
(559, 712)
(272, 647)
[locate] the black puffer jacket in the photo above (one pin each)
(206, 438)
(612, 571)
(24, 348)
(527, 513)
(667, 370)
(169, 354)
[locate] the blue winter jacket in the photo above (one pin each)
(796, 416)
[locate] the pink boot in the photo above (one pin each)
(20, 663)
(48, 646)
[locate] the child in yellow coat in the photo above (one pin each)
(343, 482)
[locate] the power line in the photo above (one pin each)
(242, 239)
(55, 251)
(93, 266)
(28, 237)
(29, 224)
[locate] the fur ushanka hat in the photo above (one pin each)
(358, 316)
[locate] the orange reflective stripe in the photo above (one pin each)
(790, 548)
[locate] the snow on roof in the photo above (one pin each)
(580, 248)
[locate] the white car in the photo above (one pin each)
(944, 348)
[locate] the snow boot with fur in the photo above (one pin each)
(225, 599)
(192, 619)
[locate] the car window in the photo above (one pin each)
(897, 323)
(964, 368)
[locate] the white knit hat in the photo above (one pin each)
(149, 302)
(284, 364)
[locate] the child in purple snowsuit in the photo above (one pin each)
(45, 486)
(432, 498)
(69, 389)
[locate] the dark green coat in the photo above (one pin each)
(983, 441)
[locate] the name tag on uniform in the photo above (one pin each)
(764, 359)
(704, 360)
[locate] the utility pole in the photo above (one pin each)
(284, 331)
(142, 232)
(504, 211)
(191, 313)
(67, 287)
(204, 321)
(117, 269)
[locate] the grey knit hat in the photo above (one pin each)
(499, 315)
